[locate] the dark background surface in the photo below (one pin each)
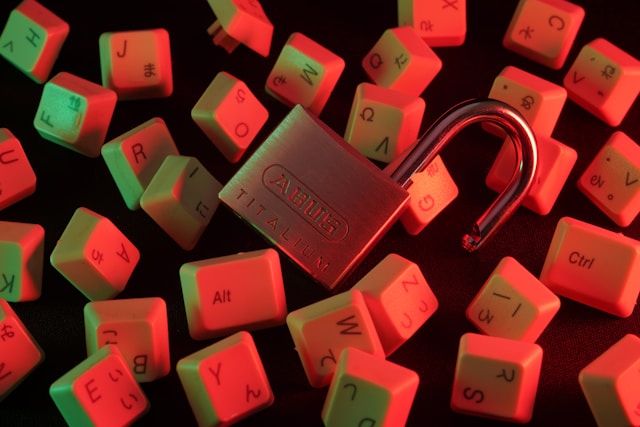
(67, 180)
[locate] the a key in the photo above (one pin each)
(604, 80)
(594, 266)
(399, 300)
(134, 157)
(230, 115)
(100, 391)
(513, 303)
(402, 61)
(611, 383)
(225, 382)
(612, 179)
(544, 30)
(17, 178)
(75, 113)
(440, 23)
(32, 39)
(223, 295)
(137, 64)
(20, 353)
(138, 326)
(496, 377)
(320, 202)
(94, 255)
(241, 21)
(181, 199)
(305, 73)
(383, 122)
(368, 391)
(21, 261)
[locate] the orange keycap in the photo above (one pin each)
(94, 255)
(226, 381)
(537, 99)
(321, 330)
(431, 191)
(383, 122)
(17, 178)
(138, 326)
(100, 391)
(241, 21)
(513, 303)
(226, 294)
(20, 354)
(611, 384)
(555, 162)
(369, 391)
(544, 30)
(399, 299)
(137, 64)
(593, 266)
(305, 73)
(230, 115)
(439, 23)
(181, 198)
(21, 261)
(402, 61)
(496, 378)
(134, 157)
(75, 113)
(612, 179)
(604, 80)
(32, 39)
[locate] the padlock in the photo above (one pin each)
(325, 205)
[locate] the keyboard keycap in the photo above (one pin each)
(432, 190)
(137, 64)
(513, 303)
(496, 378)
(555, 163)
(134, 157)
(399, 299)
(94, 255)
(241, 21)
(402, 61)
(223, 295)
(383, 122)
(544, 30)
(138, 326)
(226, 381)
(321, 330)
(612, 179)
(594, 266)
(368, 391)
(538, 100)
(75, 113)
(32, 39)
(604, 80)
(304, 73)
(439, 23)
(611, 384)
(230, 115)
(100, 391)
(20, 354)
(181, 198)
(21, 261)
(17, 178)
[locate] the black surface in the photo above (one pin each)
(67, 180)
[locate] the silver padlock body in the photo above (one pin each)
(315, 197)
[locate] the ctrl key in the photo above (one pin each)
(100, 391)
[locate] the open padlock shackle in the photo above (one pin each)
(443, 131)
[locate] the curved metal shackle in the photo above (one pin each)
(447, 126)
